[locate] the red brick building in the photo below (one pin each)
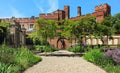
(100, 13)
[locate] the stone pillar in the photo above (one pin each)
(23, 36)
(15, 35)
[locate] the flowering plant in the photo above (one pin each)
(114, 54)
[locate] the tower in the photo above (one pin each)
(102, 11)
(67, 12)
(107, 9)
(79, 11)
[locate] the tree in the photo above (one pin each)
(101, 31)
(51, 31)
(104, 30)
(44, 29)
(116, 23)
(68, 30)
(39, 28)
(85, 27)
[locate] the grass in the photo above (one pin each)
(16, 60)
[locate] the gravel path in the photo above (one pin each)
(64, 65)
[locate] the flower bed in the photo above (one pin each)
(16, 60)
(110, 60)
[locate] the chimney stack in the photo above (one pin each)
(67, 12)
(79, 11)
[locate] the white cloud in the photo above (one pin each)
(15, 12)
(46, 6)
(53, 5)
(39, 6)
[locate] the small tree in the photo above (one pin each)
(116, 23)
(44, 29)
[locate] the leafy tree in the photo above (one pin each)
(51, 31)
(44, 29)
(116, 23)
(40, 30)
(85, 27)
(68, 30)
(103, 29)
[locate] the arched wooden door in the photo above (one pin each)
(61, 43)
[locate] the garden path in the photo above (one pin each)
(64, 64)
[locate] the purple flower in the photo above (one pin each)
(84, 44)
(114, 54)
(108, 54)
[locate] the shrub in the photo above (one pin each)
(45, 48)
(15, 60)
(114, 54)
(6, 54)
(79, 48)
(42, 48)
(25, 58)
(74, 49)
(94, 56)
(106, 60)
(4, 68)
(55, 49)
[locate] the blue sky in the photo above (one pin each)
(28, 8)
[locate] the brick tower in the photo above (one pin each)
(102, 11)
(107, 9)
(79, 11)
(67, 12)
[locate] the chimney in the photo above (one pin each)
(79, 11)
(67, 12)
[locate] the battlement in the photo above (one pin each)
(102, 7)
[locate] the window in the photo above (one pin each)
(31, 26)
